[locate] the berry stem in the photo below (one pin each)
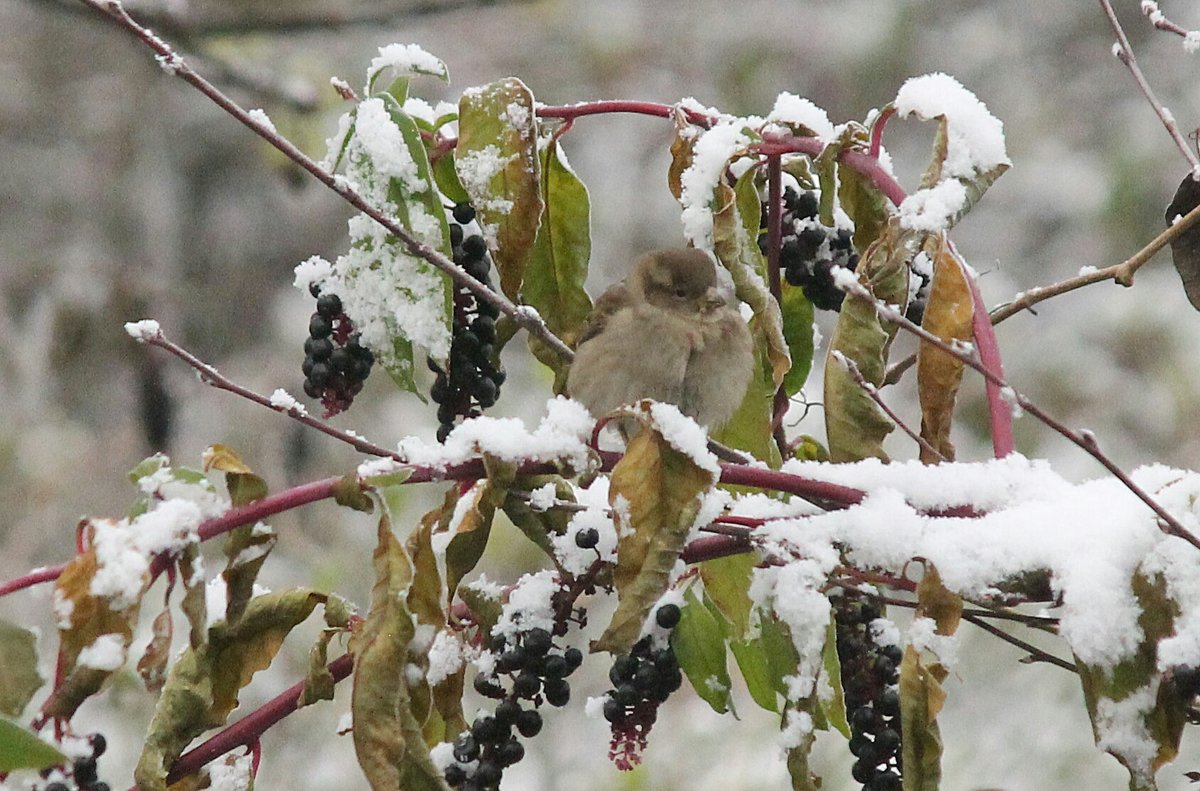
(774, 242)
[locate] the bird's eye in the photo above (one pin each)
(681, 292)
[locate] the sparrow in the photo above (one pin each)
(670, 331)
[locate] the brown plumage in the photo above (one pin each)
(669, 332)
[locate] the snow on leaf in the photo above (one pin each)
(498, 165)
(661, 486)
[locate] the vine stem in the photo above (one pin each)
(774, 243)
(246, 731)
(174, 64)
(1085, 440)
(1124, 53)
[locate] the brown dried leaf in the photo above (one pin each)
(949, 312)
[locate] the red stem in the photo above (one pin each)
(246, 731)
(999, 410)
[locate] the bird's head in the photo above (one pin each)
(682, 281)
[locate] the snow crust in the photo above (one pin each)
(107, 652)
(712, 150)
(974, 146)
(1091, 537)
(405, 59)
(144, 330)
(790, 109)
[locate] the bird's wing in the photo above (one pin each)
(613, 299)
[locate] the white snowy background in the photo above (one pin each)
(126, 194)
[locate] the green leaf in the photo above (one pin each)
(856, 426)
(318, 682)
(727, 585)
(446, 178)
(1136, 686)
(20, 749)
(834, 708)
(865, 204)
(415, 66)
(558, 261)
(538, 526)
(19, 676)
(661, 489)
(202, 687)
(752, 661)
(798, 317)
(497, 163)
(699, 644)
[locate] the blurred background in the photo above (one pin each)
(126, 194)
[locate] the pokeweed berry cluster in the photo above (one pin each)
(642, 680)
(83, 775)
(335, 364)
(870, 673)
(810, 252)
(471, 381)
(536, 672)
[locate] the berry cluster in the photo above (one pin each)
(641, 679)
(83, 770)
(471, 382)
(335, 363)
(537, 673)
(870, 673)
(809, 251)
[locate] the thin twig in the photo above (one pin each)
(174, 64)
(1085, 440)
(1124, 53)
(1035, 654)
(1157, 18)
(1122, 273)
(210, 376)
(873, 393)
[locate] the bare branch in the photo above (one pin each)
(1124, 53)
(174, 64)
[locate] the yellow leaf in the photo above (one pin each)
(948, 314)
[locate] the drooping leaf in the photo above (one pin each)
(798, 334)
(1132, 696)
(247, 547)
(558, 262)
(973, 186)
(738, 252)
(682, 147)
(855, 425)
(865, 204)
(318, 682)
(1185, 248)
(799, 771)
(921, 699)
(19, 676)
(833, 708)
(755, 667)
(387, 734)
(727, 585)
(937, 602)
(497, 162)
(699, 643)
(195, 603)
(203, 685)
(750, 428)
(658, 489)
(90, 618)
(427, 596)
(539, 526)
(152, 666)
(20, 749)
(949, 312)
(829, 173)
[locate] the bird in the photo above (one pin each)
(670, 331)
